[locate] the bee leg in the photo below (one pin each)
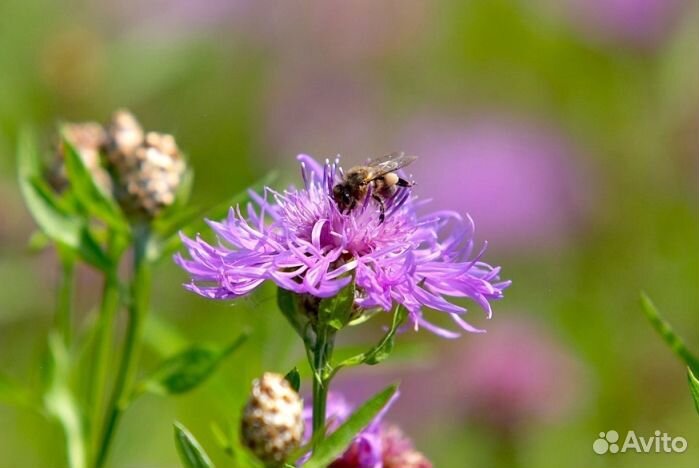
(382, 208)
(403, 183)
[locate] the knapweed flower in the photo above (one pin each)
(518, 376)
(379, 445)
(272, 423)
(312, 248)
(529, 178)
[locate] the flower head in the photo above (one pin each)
(272, 424)
(312, 248)
(379, 445)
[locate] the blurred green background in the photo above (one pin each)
(568, 129)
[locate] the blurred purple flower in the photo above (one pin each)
(326, 109)
(517, 376)
(379, 445)
(312, 248)
(512, 175)
(635, 23)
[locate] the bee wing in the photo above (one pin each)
(389, 163)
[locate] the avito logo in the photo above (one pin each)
(660, 442)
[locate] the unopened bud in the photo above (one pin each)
(272, 424)
(88, 139)
(149, 168)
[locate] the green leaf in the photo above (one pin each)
(287, 302)
(190, 451)
(46, 208)
(694, 388)
(57, 224)
(668, 334)
(90, 195)
(187, 369)
(294, 379)
(383, 348)
(184, 220)
(336, 311)
(60, 402)
(337, 442)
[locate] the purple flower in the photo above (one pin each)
(515, 175)
(517, 376)
(379, 445)
(640, 24)
(312, 248)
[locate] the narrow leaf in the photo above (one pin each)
(383, 348)
(288, 305)
(192, 218)
(668, 334)
(337, 442)
(694, 388)
(190, 451)
(60, 402)
(294, 379)
(57, 224)
(336, 311)
(97, 202)
(48, 211)
(188, 369)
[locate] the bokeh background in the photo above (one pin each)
(568, 129)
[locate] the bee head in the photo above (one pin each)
(342, 196)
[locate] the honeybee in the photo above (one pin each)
(379, 175)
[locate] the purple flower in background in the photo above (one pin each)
(379, 445)
(518, 375)
(312, 248)
(635, 23)
(514, 175)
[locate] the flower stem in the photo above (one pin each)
(64, 301)
(322, 353)
(138, 308)
(104, 341)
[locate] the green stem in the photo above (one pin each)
(104, 344)
(138, 308)
(322, 353)
(66, 289)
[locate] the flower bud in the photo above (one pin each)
(398, 450)
(125, 135)
(88, 139)
(272, 424)
(149, 168)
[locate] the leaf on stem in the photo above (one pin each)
(336, 311)
(60, 402)
(187, 369)
(337, 442)
(91, 196)
(668, 334)
(287, 302)
(49, 211)
(694, 387)
(190, 451)
(294, 379)
(186, 219)
(383, 348)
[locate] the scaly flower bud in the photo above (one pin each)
(88, 139)
(272, 425)
(149, 168)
